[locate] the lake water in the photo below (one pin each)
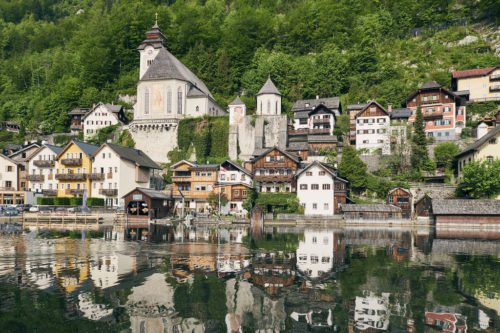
(286, 280)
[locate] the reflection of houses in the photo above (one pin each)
(106, 270)
(40, 264)
(71, 266)
(314, 318)
(372, 311)
(90, 309)
(273, 271)
(447, 322)
(315, 253)
(188, 258)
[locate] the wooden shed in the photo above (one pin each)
(467, 212)
(401, 198)
(423, 206)
(377, 213)
(145, 203)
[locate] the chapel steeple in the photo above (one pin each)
(149, 48)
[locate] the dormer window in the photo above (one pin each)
(150, 62)
(307, 105)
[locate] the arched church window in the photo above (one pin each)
(261, 107)
(179, 100)
(150, 62)
(268, 107)
(146, 101)
(197, 108)
(169, 100)
(276, 108)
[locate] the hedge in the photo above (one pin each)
(94, 202)
(66, 201)
(279, 202)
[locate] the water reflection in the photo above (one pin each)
(221, 280)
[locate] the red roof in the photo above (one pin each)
(472, 72)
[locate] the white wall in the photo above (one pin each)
(44, 154)
(372, 311)
(271, 100)
(374, 139)
(320, 197)
(315, 253)
(482, 129)
(6, 176)
(100, 117)
(149, 53)
(231, 177)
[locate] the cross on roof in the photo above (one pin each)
(156, 17)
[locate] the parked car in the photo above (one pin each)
(11, 211)
(78, 210)
(34, 209)
(44, 210)
(61, 211)
(23, 208)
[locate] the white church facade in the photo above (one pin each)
(167, 91)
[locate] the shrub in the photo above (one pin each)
(62, 201)
(76, 201)
(45, 201)
(279, 202)
(95, 202)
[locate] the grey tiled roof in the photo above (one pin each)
(166, 66)
(371, 208)
(154, 194)
(78, 111)
(195, 92)
(134, 155)
(237, 101)
(358, 106)
(205, 166)
(113, 107)
(301, 145)
(465, 207)
(87, 148)
(430, 85)
(329, 102)
(55, 149)
(269, 88)
(476, 145)
(322, 138)
(400, 113)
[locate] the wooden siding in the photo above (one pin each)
(156, 207)
(470, 219)
(397, 195)
(377, 113)
(443, 98)
(423, 207)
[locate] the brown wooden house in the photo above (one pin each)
(423, 207)
(401, 198)
(274, 170)
(145, 203)
(466, 212)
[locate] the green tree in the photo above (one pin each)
(353, 169)
(480, 179)
(249, 202)
(444, 154)
(214, 199)
(419, 148)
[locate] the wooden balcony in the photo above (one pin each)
(321, 121)
(494, 77)
(7, 189)
(71, 176)
(181, 179)
(95, 176)
(49, 193)
(278, 178)
(108, 192)
(44, 163)
(72, 161)
(109, 175)
(74, 191)
(495, 87)
(430, 102)
(433, 115)
(35, 178)
(76, 127)
(320, 131)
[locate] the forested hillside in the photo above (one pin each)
(55, 55)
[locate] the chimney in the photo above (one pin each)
(93, 105)
(317, 96)
(389, 107)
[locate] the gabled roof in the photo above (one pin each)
(153, 194)
(269, 88)
(31, 145)
(195, 92)
(239, 167)
(166, 66)
(472, 72)
(431, 84)
(173, 166)
(321, 106)
(479, 143)
(400, 113)
(237, 101)
(294, 158)
(114, 109)
(368, 105)
(9, 159)
(329, 102)
(353, 107)
(55, 149)
(78, 111)
(138, 157)
(400, 188)
(298, 146)
(465, 207)
(324, 166)
(87, 148)
(205, 166)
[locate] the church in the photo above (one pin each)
(167, 92)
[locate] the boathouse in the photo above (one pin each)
(423, 206)
(466, 212)
(401, 198)
(145, 203)
(366, 212)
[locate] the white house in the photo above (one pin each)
(372, 311)
(320, 118)
(268, 99)
(315, 253)
(320, 190)
(9, 174)
(232, 173)
(102, 115)
(42, 167)
(372, 128)
(117, 170)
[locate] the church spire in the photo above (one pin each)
(154, 37)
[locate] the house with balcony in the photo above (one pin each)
(102, 115)
(74, 163)
(234, 182)
(320, 190)
(320, 120)
(372, 128)
(9, 180)
(192, 185)
(477, 85)
(274, 170)
(76, 119)
(117, 170)
(42, 169)
(21, 157)
(443, 111)
(353, 110)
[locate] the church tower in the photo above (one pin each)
(237, 111)
(150, 47)
(268, 99)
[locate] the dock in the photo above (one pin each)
(52, 221)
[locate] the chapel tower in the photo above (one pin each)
(269, 99)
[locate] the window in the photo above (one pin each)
(303, 121)
(493, 141)
(222, 177)
(236, 192)
(203, 188)
(269, 107)
(321, 173)
(490, 158)
(62, 186)
(326, 186)
(402, 200)
(209, 173)
(314, 187)
(209, 188)
(309, 173)
(243, 177)
(179, 101)
(314, 259)
(325, 206)
(303, 186)
(314, 240)
(233, 177)
(9, 169)
(197, 108)
(203, 173)
(196, 187)
(325, 260)
(169, 100)
(197, 173)
(146, 102)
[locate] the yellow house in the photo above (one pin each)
(74, 164)
(481, 84)
(486, 148)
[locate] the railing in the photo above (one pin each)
(268, 178)
(7, 189)
(298, 131)
(495, 88)
(49, 193)
(35, 178)
(484, 99)
(108, 192)
(320, 131)
(44, 163)
(72, 161)
(71, 176)
(95, 176)
(74, 191)
(109, 175)
(433, 115)
(321, 121)
(76, 127)
(430, 102)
